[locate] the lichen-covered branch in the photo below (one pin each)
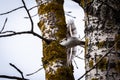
(53, 27)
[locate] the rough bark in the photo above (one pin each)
(102, 30)
(53, 27)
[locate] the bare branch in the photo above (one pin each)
(32, 25)
(24, 32)
(3, 25)
(34, 72)
(12, 77)
(12, 10)
(75, 63)
(18, 9)
(17, 70)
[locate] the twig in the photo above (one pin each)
(75, 63)
(34, 7)
(25, 32)
(79, 57)
(70, 16)
(31, 16)
(12, 10)
(34, 72)
(32, 25)
(17, 9)
(4, 25)
(97, 62)
(8, 32)
(17, 70)
(12, 77)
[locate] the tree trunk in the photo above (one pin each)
(53, 27)
(102, 30)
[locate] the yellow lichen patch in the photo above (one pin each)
(64, 72)
(117, 39)
(59, 1)
(84, 3)
(50, 7)
(86, 45)
(118, 66)
(53, 51)
(41, 25)
(91, 63)
(94, 79)
(103, 64)
(101, 44)
(61, 33)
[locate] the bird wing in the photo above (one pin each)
(71, 29)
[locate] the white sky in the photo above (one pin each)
(25, 51)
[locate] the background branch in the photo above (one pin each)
(17, 70)
(34, 72)
(24, 32)
(12, 77)
(32, 25)
(12, 10)
(4, 25)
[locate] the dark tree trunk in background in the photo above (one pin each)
(102, 31)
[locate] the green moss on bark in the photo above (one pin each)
(53, 18)
(103, 64)
(117, 39)
(91, 63)
(52, 52)
(65, 73)
(94, 79)
(101, 44)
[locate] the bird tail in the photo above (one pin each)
(70, 55)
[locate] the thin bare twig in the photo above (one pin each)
(17, 70)
(12, 77)
(18, 9)
(31, 16)
(5, 32)
(4, 25)
(32, 25)
(34, 72)
(79, 57)
(75, 63)
(34, 7)
(12, 10)
(70, 16)
(25, 32)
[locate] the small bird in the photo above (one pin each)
(77, 1)
(71, 41)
